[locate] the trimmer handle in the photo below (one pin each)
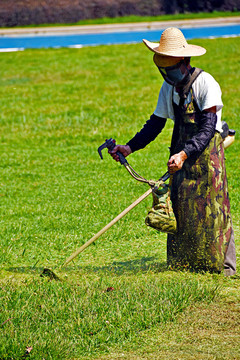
(110, 145)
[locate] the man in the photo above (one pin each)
(192, 98)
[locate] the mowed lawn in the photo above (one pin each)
(116, 300)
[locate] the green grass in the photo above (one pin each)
(57, 107)
(136, 18)
(63, 320)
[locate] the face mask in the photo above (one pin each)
(175, 75)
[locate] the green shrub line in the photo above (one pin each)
(172, 17)
(137, 19)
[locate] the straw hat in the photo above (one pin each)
(164, 61)
(173, 45)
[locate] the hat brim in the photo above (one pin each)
(186, 51)
(165, 61)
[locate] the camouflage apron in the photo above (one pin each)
(200, 198)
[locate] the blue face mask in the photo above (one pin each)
(176, 74)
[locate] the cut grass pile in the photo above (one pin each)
(57, 107)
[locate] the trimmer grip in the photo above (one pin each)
(110, 145)
(121, 158)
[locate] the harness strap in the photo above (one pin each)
(186, 88)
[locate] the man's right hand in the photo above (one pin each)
(124, 149)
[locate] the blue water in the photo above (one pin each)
(111, 38)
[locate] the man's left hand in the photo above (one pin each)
(176, 161)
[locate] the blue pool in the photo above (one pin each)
(79, 40)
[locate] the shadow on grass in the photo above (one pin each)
(143, 265)
(25, 270)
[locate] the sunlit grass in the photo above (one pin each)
(63, 320)
(57, 108)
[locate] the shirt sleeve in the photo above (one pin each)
(164, 107)
(196, 145)
(148, 133)
(208, 94)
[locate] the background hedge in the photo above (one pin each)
(26, 12)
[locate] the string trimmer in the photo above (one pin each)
(228, 137)
(110, 144)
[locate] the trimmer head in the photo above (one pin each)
(50, 274)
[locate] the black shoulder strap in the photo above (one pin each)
(186, 88)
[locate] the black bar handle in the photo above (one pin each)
(121, 158)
